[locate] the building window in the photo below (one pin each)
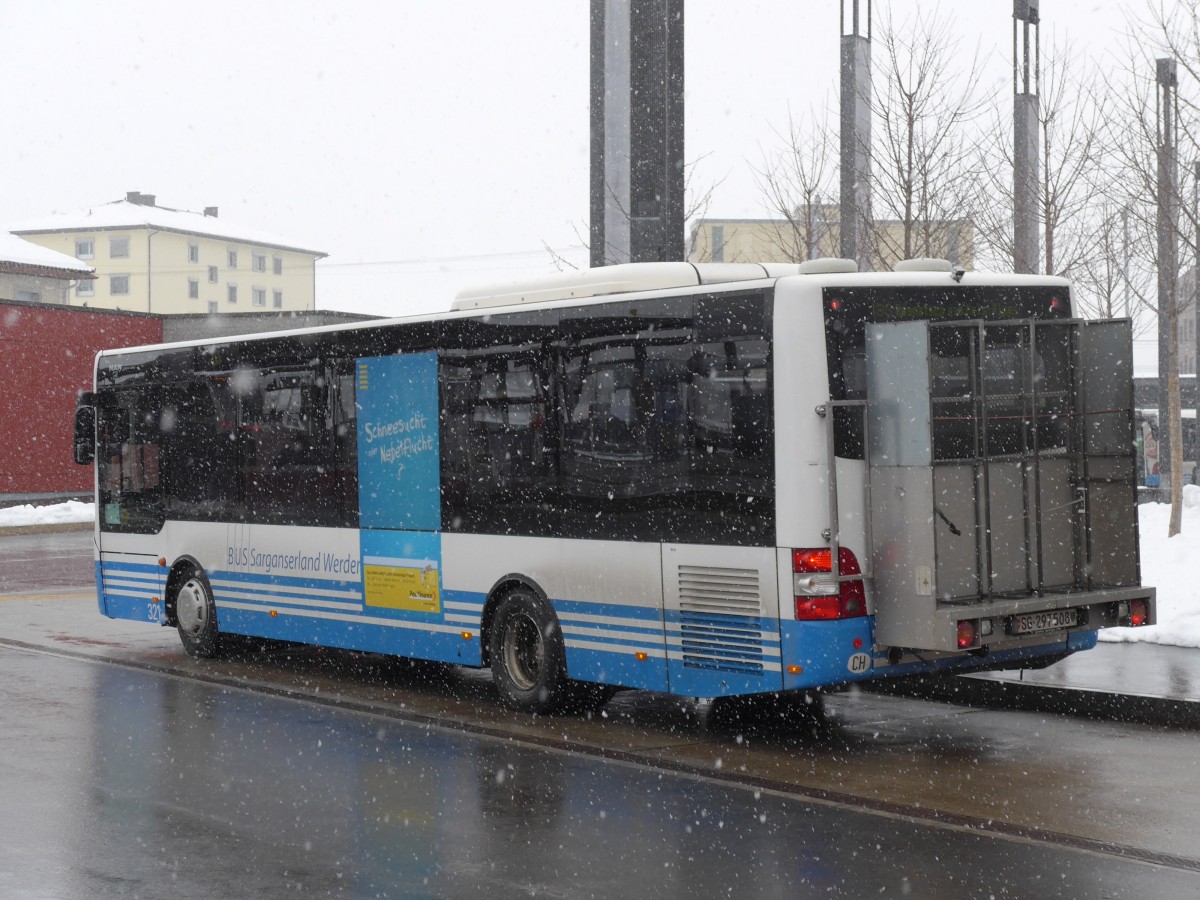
(85, 248)
(212, 274)
(277, 298)
(260, 262)
(718, 243)
(118, 284)
(86, 288)
(233, 293)
(118, 247)
(193, 288)
(193, 253)
(258, 297)
(277, 264)
(212, 306)
(233, 259)
(28, 297)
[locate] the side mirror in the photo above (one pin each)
(85, 431)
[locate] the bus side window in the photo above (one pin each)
(287, 446)
(131, 425)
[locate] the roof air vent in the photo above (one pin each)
(828, 265)
(924, 265)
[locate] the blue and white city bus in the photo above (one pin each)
(707, 480)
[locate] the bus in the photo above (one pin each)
(705, 480)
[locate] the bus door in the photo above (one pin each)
(129, 468)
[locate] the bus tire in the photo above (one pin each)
(528, 657)
(196, 615)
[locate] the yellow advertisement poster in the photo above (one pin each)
(409, 584)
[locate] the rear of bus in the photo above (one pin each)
(955, 475)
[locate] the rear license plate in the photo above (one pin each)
(1052, 620)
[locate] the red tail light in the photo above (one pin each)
(1139, 612)
(823, 599)
(966, 634)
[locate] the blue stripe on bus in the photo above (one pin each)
(100, 588)
(616, 667)
(139, 609)
(117, 584)
(113, 566)
(308, 627)
(612, 610)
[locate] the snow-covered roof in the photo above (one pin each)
(123, 214)
(16, 250)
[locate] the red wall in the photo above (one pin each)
(46, 358)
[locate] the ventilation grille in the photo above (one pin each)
(720, 614)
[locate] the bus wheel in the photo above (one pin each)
(527, 653)
(197, 616)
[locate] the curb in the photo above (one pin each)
(55, 528)
(990, 693)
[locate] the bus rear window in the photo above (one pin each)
(848, 311)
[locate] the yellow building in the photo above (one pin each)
(150, 258)
(812, 236)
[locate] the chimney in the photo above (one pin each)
(140, 199)
(210, 211)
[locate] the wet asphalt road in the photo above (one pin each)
(119, 780)
(126, 783)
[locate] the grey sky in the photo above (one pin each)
(402, 134)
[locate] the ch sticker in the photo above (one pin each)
(858, 663)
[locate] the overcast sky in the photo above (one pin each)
(421, 144)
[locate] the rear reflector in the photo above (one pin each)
(820, 598)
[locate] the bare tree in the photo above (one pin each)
(796, 182)
(925, 107)
(1137, 146)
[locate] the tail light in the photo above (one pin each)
(967, 634)
(1134, 613)
(818, 596)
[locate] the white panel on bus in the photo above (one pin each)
(617, 572)
(801, 385)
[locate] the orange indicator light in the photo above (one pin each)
(640, 656)
(466, 635)
(161, 561)
(153, 599)
(795, 670)
(274, 614)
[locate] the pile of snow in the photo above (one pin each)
(59, 513)
(1167, 564)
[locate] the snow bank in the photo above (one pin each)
(1167, 564)
(59, 513)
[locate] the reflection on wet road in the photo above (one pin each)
(119, 782)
